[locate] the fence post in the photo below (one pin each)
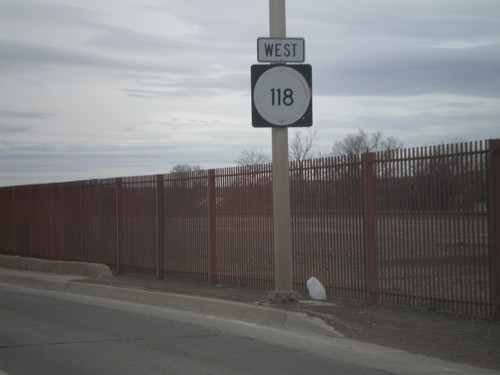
(212, 229)
(82, 224)
(119, 223)
(494, 223)
(30, 190)
(51, 224)
(13, 240)
(369, 228)
(160, 228)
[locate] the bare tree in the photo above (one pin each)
(180, 168)
(363, 142)
(252, 157)
(302, 144)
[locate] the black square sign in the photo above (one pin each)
(281, 95)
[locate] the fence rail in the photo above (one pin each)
(418, 227)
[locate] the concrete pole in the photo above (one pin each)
(277, 19)
(283, 284)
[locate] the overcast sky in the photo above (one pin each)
(106, 88)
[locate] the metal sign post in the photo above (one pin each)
(281, 188)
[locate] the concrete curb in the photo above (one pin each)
(55, 266)
(210, 306)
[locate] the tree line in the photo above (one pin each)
(303, 146)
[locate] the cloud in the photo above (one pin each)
(43, 163)
(403, 48)
(4, 128)
(411, 70)
(16, 56)
(130, 87)
(112, 38)
(423, 21)
(205, 84)
(48, 13)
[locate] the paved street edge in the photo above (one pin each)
(209, 306)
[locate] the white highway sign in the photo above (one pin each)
(281, 95)
(280, 50)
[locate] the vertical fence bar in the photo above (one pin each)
(13, 240)
(82, 226)
(494, 223)
(212, 229)
(6, 214)
(429, 221)
(119, 223)
(15, 217)
(483, 230)
(355, 226)
(401, 175)
(30, 241)
(51, 222)
(160, 228)
(369, 232)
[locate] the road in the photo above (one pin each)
(45, 332)
(50, 332)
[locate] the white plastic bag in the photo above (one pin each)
(316, 289)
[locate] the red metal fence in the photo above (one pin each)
(418, 227)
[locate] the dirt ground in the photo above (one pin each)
(452, 337)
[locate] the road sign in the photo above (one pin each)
(281, 95)
(280, 50)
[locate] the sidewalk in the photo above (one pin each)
(454, 338)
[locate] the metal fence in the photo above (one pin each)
(418, 227)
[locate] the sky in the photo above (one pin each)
(110, 88)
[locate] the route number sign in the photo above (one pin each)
(281, 95)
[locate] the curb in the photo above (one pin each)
(210, 306)
(55, 266)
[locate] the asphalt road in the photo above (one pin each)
(45, 332)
